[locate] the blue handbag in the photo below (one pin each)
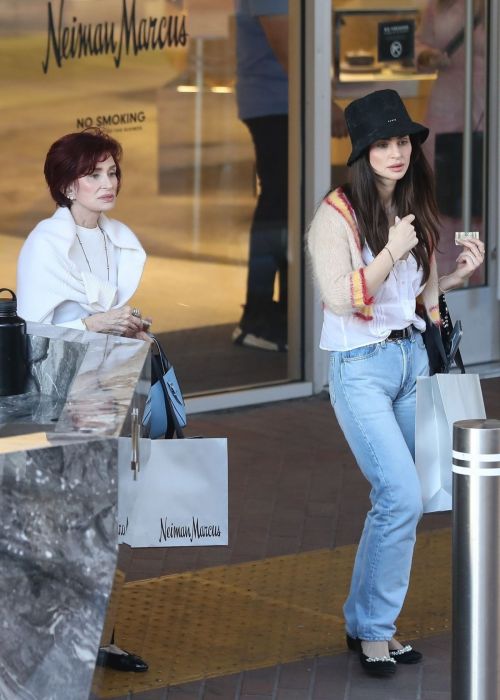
(165, 412)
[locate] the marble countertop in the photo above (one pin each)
(81, 387)
(58, 506)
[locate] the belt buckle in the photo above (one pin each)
(399, 334)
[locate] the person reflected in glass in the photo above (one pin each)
(440, 47)
(79, 268)
(372, 244)
(262, 97)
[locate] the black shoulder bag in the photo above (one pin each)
(442, 341)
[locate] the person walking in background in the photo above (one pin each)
(440, 47)
(372, 245)
(79, 268)
(262, 97)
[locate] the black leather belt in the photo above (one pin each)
(400, 335)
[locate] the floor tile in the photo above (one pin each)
(290, 495)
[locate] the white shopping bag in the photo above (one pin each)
(441, 400)
(180, 496)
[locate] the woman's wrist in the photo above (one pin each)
(448, 282)
(89, 323)
(393, 259)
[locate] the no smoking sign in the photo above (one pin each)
(396, 40)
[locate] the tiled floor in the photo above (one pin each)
(294, 488)
(325, 678)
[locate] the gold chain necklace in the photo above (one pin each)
(105, 249)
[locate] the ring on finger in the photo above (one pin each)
(136, 312)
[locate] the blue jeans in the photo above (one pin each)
(373, 392)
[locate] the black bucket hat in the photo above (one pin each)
(379, 115)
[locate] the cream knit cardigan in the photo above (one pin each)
(334, 246)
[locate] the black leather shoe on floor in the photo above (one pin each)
(381, 667)
(353, 643)
(121, 662)
(406, 655)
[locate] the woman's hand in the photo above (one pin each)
(143, 333)
(468, 261)
(402, 237)
(146, 323)
(430, 60)
(115, 322)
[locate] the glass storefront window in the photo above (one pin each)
(427, 68)
(161, 77)
(440, 46)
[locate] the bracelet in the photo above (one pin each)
(392, 257)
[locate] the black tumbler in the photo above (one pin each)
(12, 347)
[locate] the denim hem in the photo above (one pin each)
(362, 639)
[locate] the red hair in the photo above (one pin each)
(76, 155)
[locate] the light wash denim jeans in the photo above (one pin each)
(373, 392)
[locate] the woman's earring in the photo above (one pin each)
(71, 196)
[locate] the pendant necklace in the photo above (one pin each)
(105, 249)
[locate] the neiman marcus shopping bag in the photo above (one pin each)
(441, 400)
(180, 496)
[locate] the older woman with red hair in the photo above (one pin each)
(79, 268)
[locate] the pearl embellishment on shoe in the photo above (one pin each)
(374, 659)
(404, 650)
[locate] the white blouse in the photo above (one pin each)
(94, 253)
(92, 250)
(394, 308)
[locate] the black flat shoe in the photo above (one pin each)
(353, 643)
(406, 655)
(121, 662)
(381, 667)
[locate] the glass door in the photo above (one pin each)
(196, 91)
(458, 38)
(446, 56)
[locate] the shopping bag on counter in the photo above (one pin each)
(441, 400)
(178, 497)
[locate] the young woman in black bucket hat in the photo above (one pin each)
(372, 244)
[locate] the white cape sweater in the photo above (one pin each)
(47, 278)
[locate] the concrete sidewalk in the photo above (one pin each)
(294, 489)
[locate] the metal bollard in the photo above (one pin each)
(476, 560)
